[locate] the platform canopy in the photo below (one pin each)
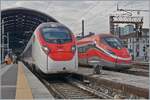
(20, 24)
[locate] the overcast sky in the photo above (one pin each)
(95, 13)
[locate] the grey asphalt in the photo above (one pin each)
(8, 75)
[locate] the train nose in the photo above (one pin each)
(62, 52)
(123, 53)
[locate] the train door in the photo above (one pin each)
(82, 55)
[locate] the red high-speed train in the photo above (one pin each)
(105, 50)
(51, 49)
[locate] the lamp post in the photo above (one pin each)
(2, 42)
(82, 28)
(3, 45)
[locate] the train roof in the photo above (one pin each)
(93, 37)
(51, 24)
(104, 34)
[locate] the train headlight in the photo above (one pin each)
(73, 49)
(45, 49)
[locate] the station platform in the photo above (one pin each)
(17, 82)
(128, 82)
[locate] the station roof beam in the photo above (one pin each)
(21, 22)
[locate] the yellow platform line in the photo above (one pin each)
(23, 91)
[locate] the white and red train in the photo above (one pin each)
(52, 49)
(104, 49)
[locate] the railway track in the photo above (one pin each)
(140, 70)
(68, 88)
(140, 66)
(75, 86)
(135, 70)
(65, 90)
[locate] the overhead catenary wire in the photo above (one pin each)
(91, 17)
(82, 15)
(101, 15)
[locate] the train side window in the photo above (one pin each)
(83, 49)
(86, 48)
(90, 46)
(80, 49)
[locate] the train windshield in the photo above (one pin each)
(56, 34)
(113, 42)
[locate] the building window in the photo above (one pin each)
(130, 46)
(130, 40)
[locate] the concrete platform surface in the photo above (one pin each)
(39, 91)
(8, 74)
(17, 82)
(137, 81)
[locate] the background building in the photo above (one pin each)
(120, 31)
(128, 29)
(138, 46)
